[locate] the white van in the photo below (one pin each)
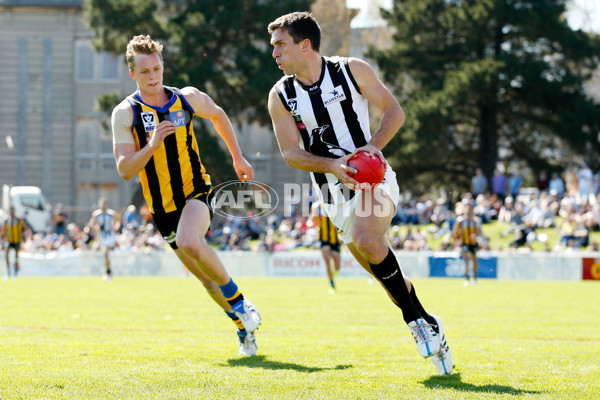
(29, 203)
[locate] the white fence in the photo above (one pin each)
(500, 265)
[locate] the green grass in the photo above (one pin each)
(162, 338)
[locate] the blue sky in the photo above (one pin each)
(583, 14)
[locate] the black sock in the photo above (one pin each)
(417, 303)
(389, 274)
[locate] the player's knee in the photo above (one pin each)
(196, 247)
(368, 244)
(189, 244)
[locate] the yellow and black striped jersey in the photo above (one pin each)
(175, 171)
(327, 231)
(468, 231)
(14, 230)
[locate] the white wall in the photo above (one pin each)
(510, 266)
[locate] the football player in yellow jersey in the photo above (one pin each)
(12, 231)
(466, 230)
(153, 137)
(329, 242)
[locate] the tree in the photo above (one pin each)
(477, 76)
(221, 47)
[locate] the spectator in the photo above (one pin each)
(60, 220)
(557, 184)
(479, 183)
(543, 182)
(506, 211)
(130, 220)
(584, 183)
(499, 183)
(567, 228)
(514, 184)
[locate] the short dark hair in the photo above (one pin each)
(300, 25)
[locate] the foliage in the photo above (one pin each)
(479, 76)
(163, 338)
(220, 47)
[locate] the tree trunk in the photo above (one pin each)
(488, 151)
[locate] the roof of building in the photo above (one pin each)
(42, 3)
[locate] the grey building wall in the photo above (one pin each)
(50, 135)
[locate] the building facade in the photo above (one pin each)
(51, 132)
(51, 135)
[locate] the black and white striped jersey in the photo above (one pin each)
(332, 117)
(105, 221)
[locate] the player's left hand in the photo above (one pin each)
(373, 150)
(243, 169)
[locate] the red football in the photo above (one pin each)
(370, 169)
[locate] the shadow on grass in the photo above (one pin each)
(453, 381)
(262, 362)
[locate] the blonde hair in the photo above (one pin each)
(141, 44)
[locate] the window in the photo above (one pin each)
(85, 61)
(110, 66)
(32, 201)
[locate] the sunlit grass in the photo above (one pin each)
(162, 338)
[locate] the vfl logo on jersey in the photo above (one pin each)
(334, 96)
(293, 105)
(149, 120)
(177, 117)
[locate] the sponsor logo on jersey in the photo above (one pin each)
(149, 120)
(334, 96)
(177, 117)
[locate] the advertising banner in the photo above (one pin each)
(454, 267)
(591, 268)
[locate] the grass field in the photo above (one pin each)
(162, 338)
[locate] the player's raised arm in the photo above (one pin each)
(205, 107)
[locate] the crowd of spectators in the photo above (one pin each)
(135, 234)
(570, 206)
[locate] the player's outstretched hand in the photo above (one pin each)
(243, 169)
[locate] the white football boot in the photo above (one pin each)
(248, 345)
(427, 340)
(443, 360)
(248, 314)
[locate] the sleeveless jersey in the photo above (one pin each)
(105, 220)
(14, 230)
(327, 231)
(468, 228)
(175, 172)
(332, 117)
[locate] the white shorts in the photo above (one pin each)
(107, 241)
(342, 215)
